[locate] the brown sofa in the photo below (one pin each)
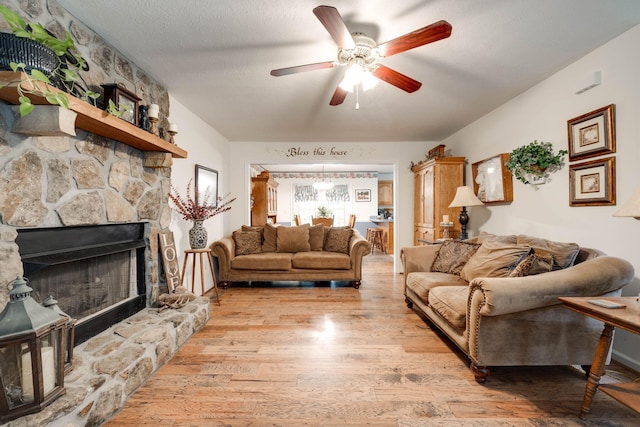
(496, 297)
(297, 253)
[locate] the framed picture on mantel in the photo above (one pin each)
(125, 100)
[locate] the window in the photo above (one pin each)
(307, 199)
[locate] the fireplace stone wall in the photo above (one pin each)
(86, 179)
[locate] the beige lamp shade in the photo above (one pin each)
(465, 197)
(632, 206)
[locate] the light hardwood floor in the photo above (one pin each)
(336, 356)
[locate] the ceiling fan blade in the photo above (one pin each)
(338, 96)
(302, 68)
(429, 34)
(397, 79)
(332, 21)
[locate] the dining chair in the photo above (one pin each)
(352, 220)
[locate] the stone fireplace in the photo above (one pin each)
(61, 197)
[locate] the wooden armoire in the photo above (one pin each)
(264, 199)
(435, 184)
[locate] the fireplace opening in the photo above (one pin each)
(96, 273)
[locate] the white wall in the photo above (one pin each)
(542, 113)
(400, 154)
(205, 147)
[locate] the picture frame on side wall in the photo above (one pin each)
(492, 181)
(592, 134)
(363, 195)
(593, 183)
(206, 183)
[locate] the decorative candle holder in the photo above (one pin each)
(172, 133)
(445, 230)
(154, 125)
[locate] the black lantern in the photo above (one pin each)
(52, 304)
(31, 354)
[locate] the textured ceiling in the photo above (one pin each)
(215, 58)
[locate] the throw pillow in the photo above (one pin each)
(338, 240)
(252, 228)
(293, 239)
(534, 263)
(494, 259)
(508, 239)
(316, 237)
(453, 255)
(247, 242)
(564, 254)
(270, 236)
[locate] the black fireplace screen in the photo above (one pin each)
(83, 288)
(95, 272)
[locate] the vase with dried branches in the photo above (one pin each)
(197, 210)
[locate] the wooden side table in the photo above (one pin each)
(627, 318)
(199, 253)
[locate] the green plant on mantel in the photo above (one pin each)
(324, 212)
(117, 111)
(535, 161)
(35, 82)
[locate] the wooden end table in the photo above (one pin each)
(199, 253)
(627, 318)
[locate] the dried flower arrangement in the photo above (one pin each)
(199, 208)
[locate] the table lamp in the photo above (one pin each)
(632, 206)
(464, 197)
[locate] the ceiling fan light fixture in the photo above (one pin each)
(369, 81)
(356, 74)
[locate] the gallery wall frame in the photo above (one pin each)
(592, 134)
(206, 180)
(363, 195)
(593, 183)
(492, 181)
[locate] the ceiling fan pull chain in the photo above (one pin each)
(357, 97)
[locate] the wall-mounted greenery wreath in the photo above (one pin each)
(533, 163)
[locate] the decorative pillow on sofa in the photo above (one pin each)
(252, 228)
(247, 242)
(453, 255)
(494, 259)
(564, 254)
(293, 239)
(270, 236)
(534, 263)
(316, 237)
(508, 239)
(338, 239)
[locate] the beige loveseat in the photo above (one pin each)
(297, 253)
(496, 297)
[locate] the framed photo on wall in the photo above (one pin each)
(206, 183)
(363, 195)
(492, 181)
(593, 183)
(592, 134)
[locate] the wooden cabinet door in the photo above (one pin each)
(385, 193)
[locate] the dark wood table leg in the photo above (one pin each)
(597, 368)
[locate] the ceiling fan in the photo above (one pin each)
(361, 54)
